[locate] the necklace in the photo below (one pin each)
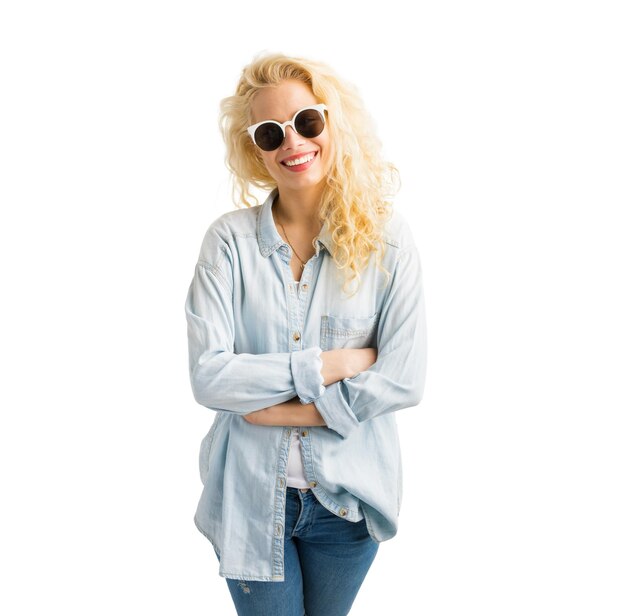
(292, 248)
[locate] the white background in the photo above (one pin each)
(506, 120)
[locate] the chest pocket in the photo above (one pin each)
(342, 332)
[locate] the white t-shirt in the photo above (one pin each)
(295, 470)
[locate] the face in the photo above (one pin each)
(280, 103)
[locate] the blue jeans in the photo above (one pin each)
(326, 561)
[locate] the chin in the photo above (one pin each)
(303, 183)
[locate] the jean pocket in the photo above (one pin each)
(348, 332)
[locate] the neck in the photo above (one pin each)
(297, 207)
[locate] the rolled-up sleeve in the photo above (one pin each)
(306, 368)
(396, 380)
(239, 382)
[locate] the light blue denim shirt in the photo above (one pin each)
(255, 340)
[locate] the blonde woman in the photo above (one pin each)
(306, 329)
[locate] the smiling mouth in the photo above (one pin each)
(300, 160)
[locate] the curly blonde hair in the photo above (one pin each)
(359, 184)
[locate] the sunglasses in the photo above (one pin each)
(308, 122)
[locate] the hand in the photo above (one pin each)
(338, 364)
(360, 360)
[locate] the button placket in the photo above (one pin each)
(293, 312)
(279, 505)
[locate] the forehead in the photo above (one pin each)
(282, 101)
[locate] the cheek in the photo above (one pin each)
(324, 144)
(327, 155)
(270, 163)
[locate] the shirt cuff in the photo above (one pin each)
(306, 369)
(336, 412)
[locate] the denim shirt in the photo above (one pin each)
(255, 340)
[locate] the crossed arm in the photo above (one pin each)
(392, 380)
(290, 413)
(337, 364)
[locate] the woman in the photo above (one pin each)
(301, 467)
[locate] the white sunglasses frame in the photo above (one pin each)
(321, 107)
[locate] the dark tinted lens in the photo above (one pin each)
(309, 123)
(268, 136)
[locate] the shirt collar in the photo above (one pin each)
(269, 238)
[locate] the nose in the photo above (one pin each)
(292, 138)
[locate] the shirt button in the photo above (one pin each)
(303, 433)
(281, 482)
(296, 336)
(343, 512)
(313, 484)
(278, 531)
(305, 286)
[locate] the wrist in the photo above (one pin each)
(334, 366)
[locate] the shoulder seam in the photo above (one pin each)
(217, 272)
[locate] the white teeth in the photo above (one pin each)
(300, 161)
